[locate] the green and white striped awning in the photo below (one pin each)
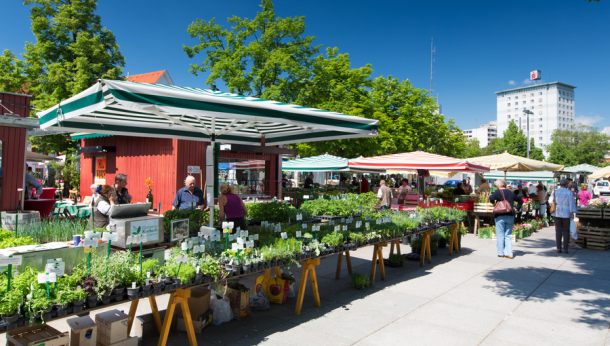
(323, 163)
(139, 109)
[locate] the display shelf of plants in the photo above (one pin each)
(278, 235)
(520, 231)
(597, 210)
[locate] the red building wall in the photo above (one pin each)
(165, 161)
(13, 150)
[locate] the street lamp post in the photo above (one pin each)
(527, 113)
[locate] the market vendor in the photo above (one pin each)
(231, 207)
(120, 183)
(32, 182)
(308, 181)
(484, 188)
(189, 196)
(102, 205)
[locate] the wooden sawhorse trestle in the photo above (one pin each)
(395, 243)
(454, 241)
(378, 260)
(179, 296)
(308, 271)
(348, 262)
(426, 252)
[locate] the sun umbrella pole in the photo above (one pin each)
(209, 173)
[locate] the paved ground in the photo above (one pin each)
(538, 298)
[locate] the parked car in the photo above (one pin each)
(601, 188)
(452, 183)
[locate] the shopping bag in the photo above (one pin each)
(573, 232)
(221, 310)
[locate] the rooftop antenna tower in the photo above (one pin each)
(432, 54)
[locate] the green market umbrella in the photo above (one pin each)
(155, 110)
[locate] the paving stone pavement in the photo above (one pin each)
(538, 298)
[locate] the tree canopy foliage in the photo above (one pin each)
(582, 145)
(271, 57)
(514, 141)
(71, 51)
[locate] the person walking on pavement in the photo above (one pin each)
(565, 208)
(504, 217)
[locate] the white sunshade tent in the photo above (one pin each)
(156, 110)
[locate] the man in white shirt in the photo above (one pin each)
(385, 195)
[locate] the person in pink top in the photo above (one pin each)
(231, 208)
(584, 196)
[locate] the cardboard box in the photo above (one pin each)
(132, 341)
(83, 331)
(145, 324)
(111, 327)
(36, 335)
(199, 303)
(198, 324)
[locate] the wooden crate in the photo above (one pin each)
(483, 208)
(590, 213)
(597, 238)
(36, 335)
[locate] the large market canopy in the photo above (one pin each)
(512, 163)
(417, 160)
(582, 168)
(601, 173)
(322, 163)
(139, 109)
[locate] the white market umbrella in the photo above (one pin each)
(156, 110)
(601, 173)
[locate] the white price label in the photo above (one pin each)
(184, 246)
(284, 235)
(299, 217)
(196, 249)
(378, 221)
(298, 234)
(337, 228)
(90, 243)
(56, 266)
(46, 277)
(234, 246)
(305, 196)
(240, 241)
(304, 226)
(358, 224)
(249, 244)
(367, 226)
(14, 260)
(344, 228)
(254, 237)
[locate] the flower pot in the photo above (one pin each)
(147, 290)
(10, 320)
(61, 311)
(106, 298)
(77, 306)
(198, 278)
(177, 283)
(91, 301)
(133, 293)
(157, 288)
(246, 268)
(118, 294)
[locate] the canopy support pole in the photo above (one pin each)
(209, 178)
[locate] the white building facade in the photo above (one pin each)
(484, 133)
(551, 107)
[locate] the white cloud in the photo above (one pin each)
(511, 82)
(606, 130)
(588, 120)
(528, 81)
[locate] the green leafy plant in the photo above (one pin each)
(360, 281)
(274, 211)
(357, 238)
(11, 303)
(333, 239)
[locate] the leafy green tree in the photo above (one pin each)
(267, 56)
(514, 141)
(72, 50)
(12, 73)
(583, 145)
(472, 148)
(272, 58)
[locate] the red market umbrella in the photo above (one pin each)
(417, 160)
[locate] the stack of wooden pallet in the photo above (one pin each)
(594, 228)
(592, 237)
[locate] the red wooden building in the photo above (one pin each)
(14, 122)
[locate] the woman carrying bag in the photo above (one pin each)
(504, 214)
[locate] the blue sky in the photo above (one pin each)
(481, 46)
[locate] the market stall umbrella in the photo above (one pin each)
(34, 156)
(545, 176)
(323, 163)
(512, 163)
(417, 160)
(156, 110)
(601, 173)
(584, 168)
